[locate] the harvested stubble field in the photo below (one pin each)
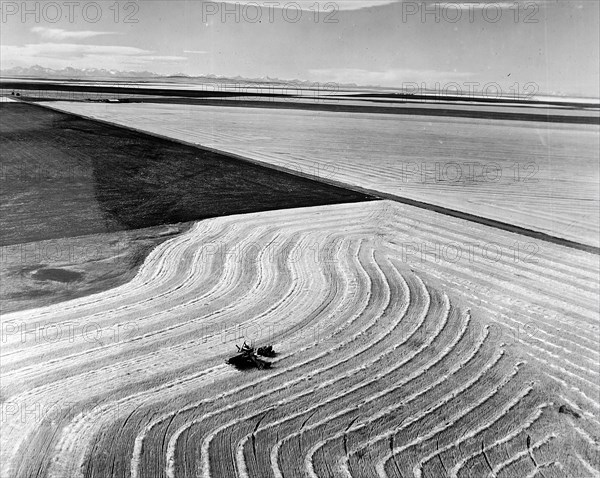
(391, 362)
(532, 174)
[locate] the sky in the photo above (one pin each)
(543, 46)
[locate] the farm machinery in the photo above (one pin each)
(248, 358)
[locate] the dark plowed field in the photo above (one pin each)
(63, 175)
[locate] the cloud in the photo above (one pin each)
(59, 34)
(72, 50)
(339, 5)
(310, 4)
(61, 55)
(392, 77)
(480, 5)
(472, 5)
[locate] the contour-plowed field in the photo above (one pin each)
(410, 344)
(535, 175)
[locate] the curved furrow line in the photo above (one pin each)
(321, 386)
(376, 307)
(469, 267)
(513, 306)
(310, 391)
(81, 429)
(386, 412)
(491, 419)
(378, 410)
(496, 307)
(228, 285)
(453, 394)
(505, 318)
(444, 317)
(179, 306)
(529, 342)
(156, 268)
(44, 393)
(296, 240)
(156, 257)
(569, 352)
(560, 336)
(522, 454)
(170, 247)
(237, 390)
(352, 373)
(176, 253)
(509, 287)
(562, 372)
(589, 373)
(518, 430)
(281, 259)
(538, 470)
(100, 417)
(381, 465)
(309, 457)
(258, 282)
(561, 359)
(347, 402)
(362, 385)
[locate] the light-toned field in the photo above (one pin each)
(540, 176)
(410, 344)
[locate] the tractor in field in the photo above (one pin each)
(247, 358)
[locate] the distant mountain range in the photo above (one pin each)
(38, 71)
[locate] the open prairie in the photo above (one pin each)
(409, 344)
(536, 175)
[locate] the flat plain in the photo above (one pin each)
(409, 343)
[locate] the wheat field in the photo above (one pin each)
(409, 344)
(536, 175)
